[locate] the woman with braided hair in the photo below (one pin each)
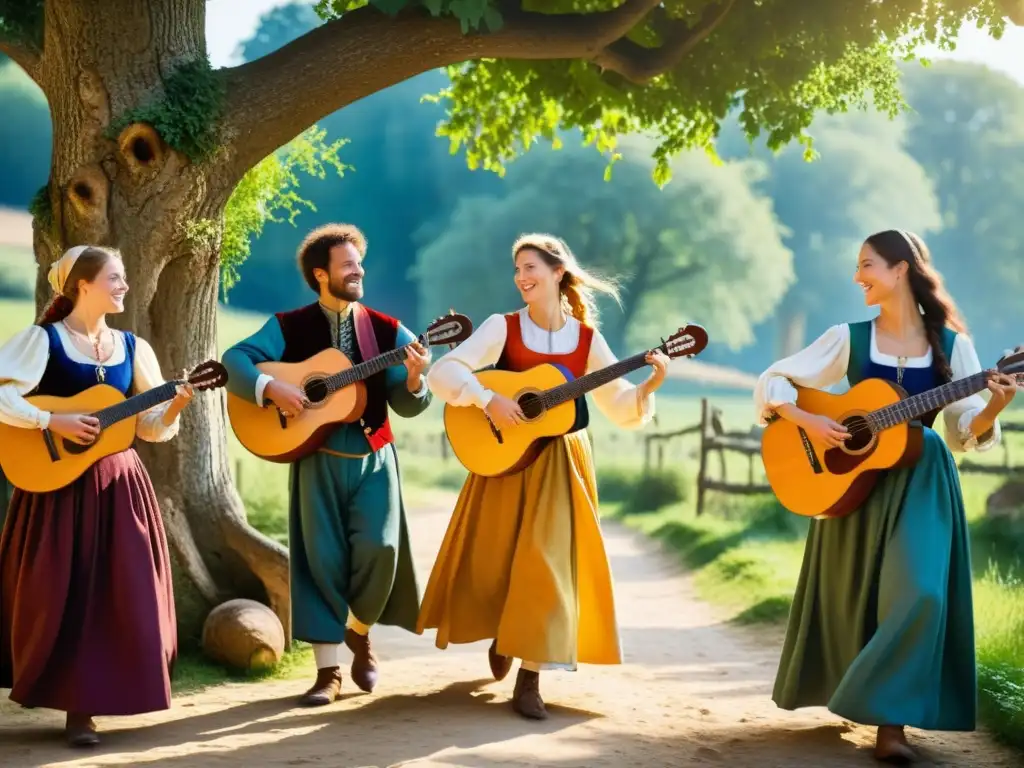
(882, 626)
(523, 563)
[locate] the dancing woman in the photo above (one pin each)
(523, 562)
(882, 628)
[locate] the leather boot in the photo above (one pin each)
(891, 746)
(80, 731)
(364, 662)
(325, 690)
(526, 698)
(500, 665)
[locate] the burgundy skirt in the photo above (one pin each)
(87, 619)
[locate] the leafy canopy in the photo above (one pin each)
(269, 193)
(780, 62)
(705, 248)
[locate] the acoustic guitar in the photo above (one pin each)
(546, 394)
(40, 461)
(335, 393)
(813, 479)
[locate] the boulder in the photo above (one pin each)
(243, 635)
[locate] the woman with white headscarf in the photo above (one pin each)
(87, 622)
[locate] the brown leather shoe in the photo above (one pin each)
(325, 690)
(526, 698)
(80, 731)
(891, 746)
(364, 662)
(500, 665)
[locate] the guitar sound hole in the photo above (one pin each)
(860, 433)
(75, 449)
(532, 405)
(315, 389)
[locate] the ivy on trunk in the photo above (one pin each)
(149, 144)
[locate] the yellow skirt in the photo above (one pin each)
(523, 561)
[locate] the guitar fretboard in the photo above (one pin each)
(571, 390)
(136, 404)
(366, 370)
(918, 405)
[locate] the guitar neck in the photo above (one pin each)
(136, 404)
(367, 369)
(576, 388)
(934, 399)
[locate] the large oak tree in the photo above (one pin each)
(149, 142)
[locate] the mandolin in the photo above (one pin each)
(547, 395)
(813, 479)
(39, 461)
(335, 391)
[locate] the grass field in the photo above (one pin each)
(745, 552)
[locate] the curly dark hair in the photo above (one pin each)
(315, 251)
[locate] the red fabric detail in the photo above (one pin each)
(518, 357)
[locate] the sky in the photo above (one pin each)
(229, 22)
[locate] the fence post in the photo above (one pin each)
(238, 475)
(444, 447)
(647, 454)
(702, 468)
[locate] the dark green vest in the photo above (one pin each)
(860, 349)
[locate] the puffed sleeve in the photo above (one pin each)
(818, 366)
(451, 378)
(618, 400)
(22, 364)
(957, 417)
(150, 426)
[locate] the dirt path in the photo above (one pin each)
(692, 692)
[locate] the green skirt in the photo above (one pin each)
(882, 625)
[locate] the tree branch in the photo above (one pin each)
(273, 99)
(27, 58)
(640, 65)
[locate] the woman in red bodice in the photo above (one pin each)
(523, 562)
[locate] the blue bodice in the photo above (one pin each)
(65, 377)
(915, 380)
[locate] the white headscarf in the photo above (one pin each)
(58, 275)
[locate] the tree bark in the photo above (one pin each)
(273, 99)
(139, 195)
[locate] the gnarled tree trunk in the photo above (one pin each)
(136, 193)
(100, 59)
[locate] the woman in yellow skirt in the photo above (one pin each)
(523, 562)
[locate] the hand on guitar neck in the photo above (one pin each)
(83, 429)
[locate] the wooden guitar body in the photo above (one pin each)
(812, 479)
(264, 432)
(490, 452)
(26, 458)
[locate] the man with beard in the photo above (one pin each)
(351, 561)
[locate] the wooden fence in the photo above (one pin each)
(1007, 466)
(714, 438)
